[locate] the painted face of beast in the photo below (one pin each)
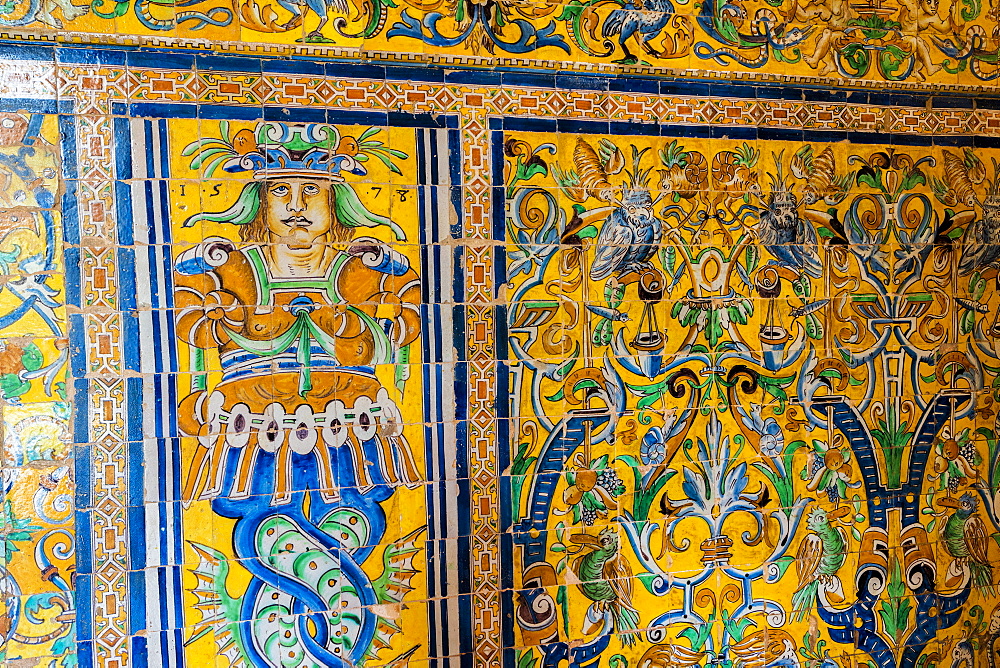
(783, 210)
(991, 216)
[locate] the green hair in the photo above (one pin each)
(347, 207)
(351, 212)
(242, 212)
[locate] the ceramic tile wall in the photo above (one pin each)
(499, 334)
(951, 42)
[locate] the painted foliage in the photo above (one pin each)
(297, 314)
(753, 392)
(37, 534)
(429, 386)
(955, 41)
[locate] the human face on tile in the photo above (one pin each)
(298, 211)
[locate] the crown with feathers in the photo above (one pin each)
(273, 149)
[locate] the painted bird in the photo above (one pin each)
(820, 174)
(787, 235)
(590, 172)
(648, 18)
(632, 232)
(981, 241)
(299, 9)
(967, 540)
(606, 579)
(963, 655)
(962, 173)
(820, 556)
(770, 648)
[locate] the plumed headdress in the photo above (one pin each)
(276, 150)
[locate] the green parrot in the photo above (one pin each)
(966, 539)
(606, 579)
(820, 556)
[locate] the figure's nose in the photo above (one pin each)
(296, 201)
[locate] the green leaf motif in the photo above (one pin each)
(971, 9)
(814, 329)
(895, 610)
(13, 530)
(752, 258)
(967, 322)
(12, 386)
(31, 357)
(603, 333)
(526, 658)
(871, 177)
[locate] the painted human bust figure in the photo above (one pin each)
(312, 310)
(301, 313)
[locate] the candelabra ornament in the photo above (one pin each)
(768, 284)
(649, 337)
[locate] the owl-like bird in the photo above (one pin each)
(632, 233)
(606, 579)
(788, 236)
(981, 241)
(963, 655)
(820, 556)
(967, 540)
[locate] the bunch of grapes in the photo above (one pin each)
(817, 464)
(832, 492)
(609, 480)
(588, 516)
(953, 483)
(969, 452)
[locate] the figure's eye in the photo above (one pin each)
(310, 189)
(279, 191)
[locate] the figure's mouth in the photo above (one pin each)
(299, 231)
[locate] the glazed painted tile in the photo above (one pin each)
(747, 386)
(38, 564)
(904, 40)
(293, 457)
(402, 333)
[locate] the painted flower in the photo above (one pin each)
(591, 491)
(772, 440)
(653, 449)
(829, 470)
(955, 462)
